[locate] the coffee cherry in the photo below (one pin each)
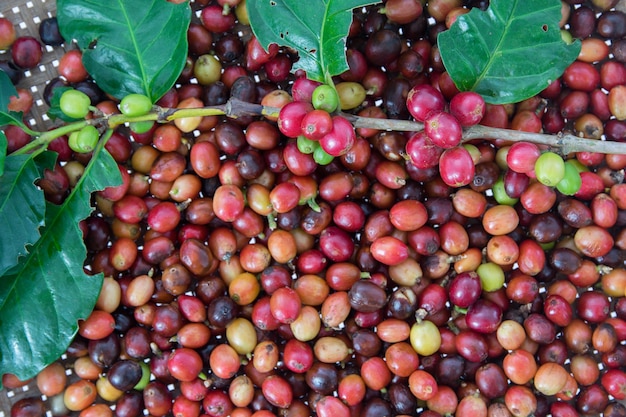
(491, 276)
(423, 100)
(340, 139)
(351, 95)
(302, 89)
(15, 74)
(456, 167)
(84, 140)
(290, 118)
(184, 364)
(142, 127)
(71, 67)
(26, 52)
(402, 11)
(134, 105)
(49, 32)
(321, 157)
(125, 374)
(7, 34)
(422, 152)
(571, 181)
(207, 69)
(443, 129)
(468, 107)
(215, 20)
(306, 146)
(522, 157)
(326, 98)
(549, 169)
(316, 124)
(383, 46)
(425, 337)
(75, 104)
(617, 102)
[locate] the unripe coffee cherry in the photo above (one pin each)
(75, 104)
(321, 157)
(549, 169)
(134, 105)
(141, 127)
(84, 140)
(326, 98)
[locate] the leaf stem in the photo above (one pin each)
(30, 131)
(46, 137)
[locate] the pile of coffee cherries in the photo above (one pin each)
(291, 265)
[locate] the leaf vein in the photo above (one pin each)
(135, 45)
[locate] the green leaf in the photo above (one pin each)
(22, 206)
(128, 47)
(317, 29)
(509, 52)
(7, 90)
(42, 298)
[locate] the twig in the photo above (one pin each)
(383, 124)
(234, 108)
(563, 143)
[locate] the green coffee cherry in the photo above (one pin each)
(75, 104)
(322, 157)
(141, 127)
(305, 145)
(84, 140)
(567, 37)
(145, 377)
(571, 182)
(549, 168)
(134, 105)
(325, 98)
(491, 276)
(500, 195)
(580, 167)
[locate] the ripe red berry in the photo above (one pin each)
(456, 167)
(423, 100)
(316, 124)
(290, 118)
(443, 129)
(340, 139)
(422, 152)
(468, 107)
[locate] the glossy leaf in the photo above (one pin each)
(509, 52)
(128, 47)
(22, 206)
(317, 29)
(43, 297)
(7, 90)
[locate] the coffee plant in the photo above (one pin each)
(339, 207)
